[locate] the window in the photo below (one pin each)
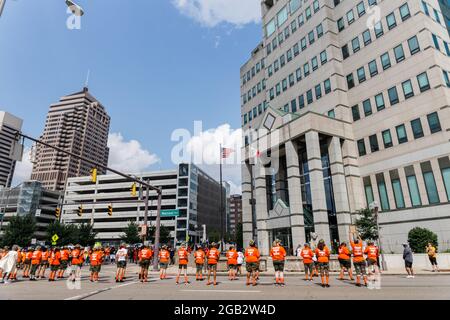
(372, 2)
(284, 84)
(390, 19)
(408, 89)
(436, 16)
(398, 193)
(361, 9)
(245, 119)
(378, 29)
(413, 44)
(447, 48)
(413, 188)
(296, 50)
(306, 69)
(404, 12)
(379, 101)
(289, 55)
(269, 49)
(270, 28)
(286, 108)
(355, 113)
(446, 78)
(323, 57)
(385, 61)
(361, 148)
(301, 101)
(291, 80)
(298, 74)
(282, 16)
(282, 60)
(416, 126)
(319, 30)
(250, 116)
(301, 20)
(384, 199)
(294, 5)
(308, 13)
(340, 24)
(424, 84)
(309, 96)
(316, 6)
(393, 96)
(399, 53)
(294, 26)
(425, 8)
(373, 69)
(278, 89)
(367, 37)
(276, 65)
(311, 37)
(430, 186)
(373, 143)
(327, 86)
(270, 70)
(350, 81)
(367, 107)
(369, 194)
(286, 33)
(435, 41)
(294, 105)
(271, 94)
(318, 90)
(361, 75)
(274, 43)
(345, 52)
(387, 139)
(303, 43)
(314, 63)
(350, 17)
(280, 38)
(355, 45)
(433, 122)
(331, 114)
(401, 134)
(259, 109)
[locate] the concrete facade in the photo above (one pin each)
(348, 102)
(9, 126)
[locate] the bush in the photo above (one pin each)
(419, 238)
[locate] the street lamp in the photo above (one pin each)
(374, 207)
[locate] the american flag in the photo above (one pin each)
(226, 152)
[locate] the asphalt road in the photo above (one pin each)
(422, 287)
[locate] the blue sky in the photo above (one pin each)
(156, 65)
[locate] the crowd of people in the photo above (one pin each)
(34, 262)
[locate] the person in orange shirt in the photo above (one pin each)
(164, 259)
(213, 259)
(65, 255)
(35, 262)
(323, 258)
(199, 256)
(55, 262)
(252, 257)
(183, 259)
(77, 263)
(96, 263)
(307, 255)
(144, 256)
(372, 258)
(358, 259)
(27, 263)
(278, 255)
(232, 257)
(345, 261)
(44, 263)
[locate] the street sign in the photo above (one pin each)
(16, 152)
(38, 213)
(170, 213)
(55, 238)
(33, 241)
(143, 230)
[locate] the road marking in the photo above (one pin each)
(90, 294)
(223, 291)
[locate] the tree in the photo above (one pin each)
(367, 225)
(213, 235)
(419, 238)
(67, 233)
(164, 234)
(86, 235)
(131, 233)
(20, 231)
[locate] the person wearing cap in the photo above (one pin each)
(213, 259)
(323, 258)
(35, 262)
(307, 255)
(252, 257)
(199, 256)
(183, 259)
(278, 255)
(164, 259)
(408, 258)
(121, 256)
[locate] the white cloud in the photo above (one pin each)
(23, 168)
(129, 156)
(213, 12)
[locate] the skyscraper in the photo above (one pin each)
(78, 123)
(354, 96)
(9, 125)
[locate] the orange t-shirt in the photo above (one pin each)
(307, 255)
(251, 255)
(323, 255)
(372, 252)
(64, 255)
(183, 256)
(199, 257)
(45, 255)
(145, 254)
(96, 258)
(36, 257)
(213, 256)
(344, 253)
(77, 257)
(232, 256)
(164, 256)
(56, 258)
(29, 255)
(357, 249)
(278, 253)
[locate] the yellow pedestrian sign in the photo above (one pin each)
(55, 238)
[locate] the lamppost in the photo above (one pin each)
(374, 207)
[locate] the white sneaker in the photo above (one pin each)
(412, 277)
(408, 277)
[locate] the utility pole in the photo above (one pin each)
(375, 208)
(144, 236)
(157, 232)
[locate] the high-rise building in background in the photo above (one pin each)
(9, 126)
(79, 124)
(445, 8)
(235, 214)
(355, 98)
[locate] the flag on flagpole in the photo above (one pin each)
(226, 152)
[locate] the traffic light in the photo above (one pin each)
(94, 175)
(57, 212)
(133, 190)
(80, 211)
(110, 210)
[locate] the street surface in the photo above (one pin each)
(429, 286)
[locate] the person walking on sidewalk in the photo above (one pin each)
(278, 255)
(145, 256)
(432, 256)
(183, 259)
(213, 259)
(121, 257)
(408, 258)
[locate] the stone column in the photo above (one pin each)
(295, 194)
(340, 188)
(438, 179)
(318, 198)
(261, 213)
(247, 217)
(356, 195)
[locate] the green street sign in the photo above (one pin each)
(170, 213)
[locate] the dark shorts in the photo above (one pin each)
(252, 266)
(182, 266)
(345, 263)
(408, 264)
(163, 265)
(324, 267)
(44, 264)
(121, 264)
(55, 267)
(144, 264)
(34, 268)
(278, 265)
(231, 267)
(433, 261)
(95, 268)
(308, 267)
(27, 262)
(199, 266)
(372, 262)
(360, 268)
(212, 267)
(64, 264)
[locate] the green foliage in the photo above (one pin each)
(213, 235)
(419, 238)
(19, 231)
(86, 235)
(164, 234)
(366, 225)
(131, 233)
(82, 234)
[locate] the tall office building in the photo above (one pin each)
(235, 215)
(78, 123)
(9, 125)
(354, 98)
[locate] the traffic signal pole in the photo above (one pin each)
(157, 232)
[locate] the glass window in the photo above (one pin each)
(319, 30)
(378, 29)
(270, 28)
(340, 24)
(435, 41)
(355, 45)
(393, 96)
(433, 122)
(301, 20)
(282, 60)
(401, 134)
(245, 119)
(318, 90)
(373, 140)
(255, 112)
(331, 114)
(276, 65)
(384, 199)
(345, 52)
(284, 84)
(385, 61)
(417, 130)
(424, 84)
(369, 194)
(294, 5)
(272, 94)
(294, 105)
(361, 9)
(413, 188)
(361, 148)
(413, 44)
(250, 116)
(301, 101)
(387, 139)
(361, 75)
(323, 57)
(407, 89)
(314, 63)
(278, 89)
(298, 74)
(367, 106)
(289, 55)
(350, 17)
(306, 69)
(309, 96)
(446, 78)
(274, 43)
(430, 186)
(391, 22)
(350, 81)
(446, 178)
(398, 193)
(308, 13)
(355, 113)
(372, 2)
(294, 26)
(291, 80)
(282, 16)
(296, 49)
(436, 15)
(316, 6)
(373, 68)
(399, 53)
(311, 37)
(404, 12)
(327, 86)
(303, 43)
(379, 101)
(367, 37)
(287, 33)
(270, 70)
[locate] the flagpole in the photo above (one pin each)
(221, 200)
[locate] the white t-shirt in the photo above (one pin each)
(122, 254)
(240, 258)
